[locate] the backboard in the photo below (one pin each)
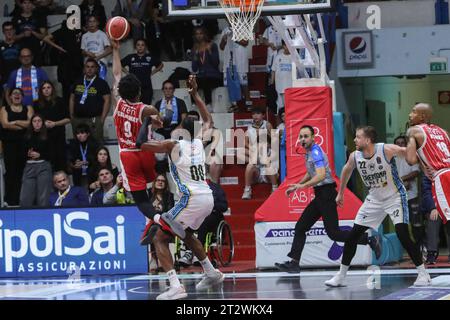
(198, 9)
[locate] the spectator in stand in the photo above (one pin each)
(118, 194)
(65, 194)
(81, 155)
(102, 161)
(205, 63)
(162, 201)
(272, 40)
(153, 19)
(134, 11)
(70, 58)
(160, 197)
(37, 175)
(9, 54)
(281, 74)
(31, 28)
(236, 56)
(143, 66)
(91, 8)
(15, 119)
(106, 182)
(172, 110)
(56, 115)
(211, 27)
(257, 170)
(409, 175)
(95, 45)
(434, 223)
(90, 100)
(211, 222)
(27, 77)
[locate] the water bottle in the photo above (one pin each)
(5, 10)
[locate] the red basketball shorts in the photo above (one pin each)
(441, 194)
(138, 169)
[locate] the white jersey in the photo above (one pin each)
(282, 66)
(188, 168)
(95, 42)
(273, 37)
(380, 176)
(234, 53)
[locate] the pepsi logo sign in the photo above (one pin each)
(358, 48)
(358, 45)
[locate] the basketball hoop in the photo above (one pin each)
(242, 15)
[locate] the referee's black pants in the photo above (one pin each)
(323, 206)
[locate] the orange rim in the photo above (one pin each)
(245, 5)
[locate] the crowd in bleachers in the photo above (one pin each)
(37, 106)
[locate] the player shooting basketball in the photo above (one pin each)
(138, 166)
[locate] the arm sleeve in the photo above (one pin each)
(318, 158)
(143, 132)
(110, 196)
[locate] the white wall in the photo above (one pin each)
(399, 51)
(393, 13)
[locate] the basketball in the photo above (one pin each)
(117, 28)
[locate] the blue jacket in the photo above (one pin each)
(97, 198)
(77, 197)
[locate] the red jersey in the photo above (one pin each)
(127, 118)
(434, 154)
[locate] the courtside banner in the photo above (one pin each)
(304, 106)
(64, 241)
(274, 241)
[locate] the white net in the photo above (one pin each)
(242, 15)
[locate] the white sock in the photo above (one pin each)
(343, 270)
(274, 186)
(421, 268)
(207, 267)
(173, 279)
(156, 217)
(248, 188)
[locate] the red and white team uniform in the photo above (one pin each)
(138, 166)
(434, 156)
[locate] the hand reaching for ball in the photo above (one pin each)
(192, 84)
(115, 44)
